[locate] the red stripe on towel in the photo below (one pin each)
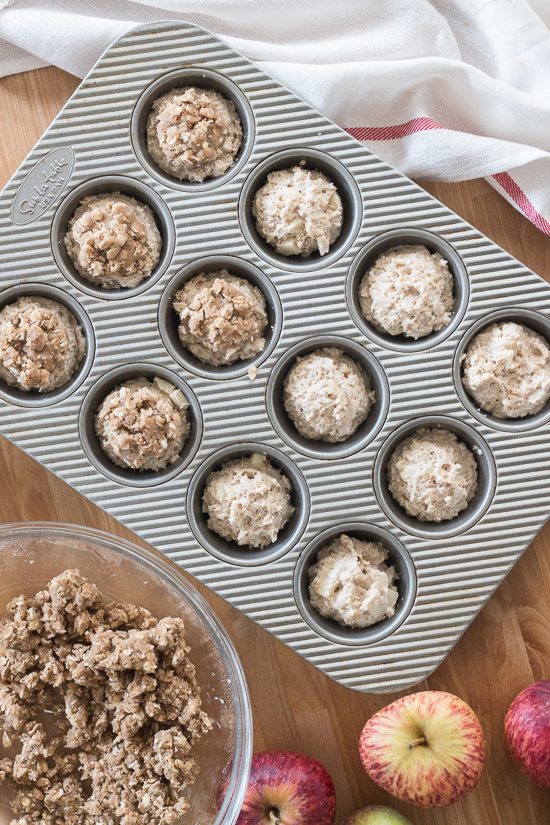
(400, 130)
(521, 200)
(426, 124)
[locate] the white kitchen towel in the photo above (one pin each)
(442, 89)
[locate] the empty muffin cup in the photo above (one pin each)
(201, 79)
(169, 321)
(229, 551)
(398, 557)
(91, 443)
(477, 506)
(532, 320)
(129, 188)
(364, 433)
(384, 243)
(33, 398)
(346, 187)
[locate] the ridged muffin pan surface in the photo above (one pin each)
(446, 572)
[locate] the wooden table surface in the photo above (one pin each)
(295, 706)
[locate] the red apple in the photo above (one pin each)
(377, 815)
(527, 730)
(288, 789)
(426, 749)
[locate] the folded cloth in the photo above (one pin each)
(442, 89)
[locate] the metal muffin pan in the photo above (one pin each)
(447, 572)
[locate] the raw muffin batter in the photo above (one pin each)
(407, 291)
(41, 344)
(222, 317)
(298, 211)
(123, 695)
(327, 395)
(143, 425)
(113, 240)
(352, 583)
(506, 369)
(194, 134)
(432, 475)
(248, 501)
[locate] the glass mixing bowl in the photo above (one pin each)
(31, 554)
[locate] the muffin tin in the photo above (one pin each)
(447, 572)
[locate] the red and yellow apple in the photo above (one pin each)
(426, 749)
(527, 730)
(377, 815)
(288, 789)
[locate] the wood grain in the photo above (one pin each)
(296, 707)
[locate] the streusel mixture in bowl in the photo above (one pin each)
(121, 698)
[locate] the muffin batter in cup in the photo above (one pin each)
(113, 241)
(41, 344)
(506, 370)
(352, 582)
(142, 424)
(407, 291)
(432, 475)
(298, 211)
(327, 395)
(222, 318)
(194, 134)
(248, 501)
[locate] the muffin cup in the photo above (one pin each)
(347, 189)
(105, 185)
(169, 322)
(229, 551)
(406, 585)
(94, 450)
(534, 321)
(487, 477)
(404, 237)
(364, 434)
(203, 79)
(32, 398)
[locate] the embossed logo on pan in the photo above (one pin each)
(42, 186)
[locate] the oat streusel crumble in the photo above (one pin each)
(122, 705)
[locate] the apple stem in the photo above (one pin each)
(415, 742)
(274, 818)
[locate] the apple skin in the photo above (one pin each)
(288, 789)
(438, 771)
(377, 815)
(527, 731)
